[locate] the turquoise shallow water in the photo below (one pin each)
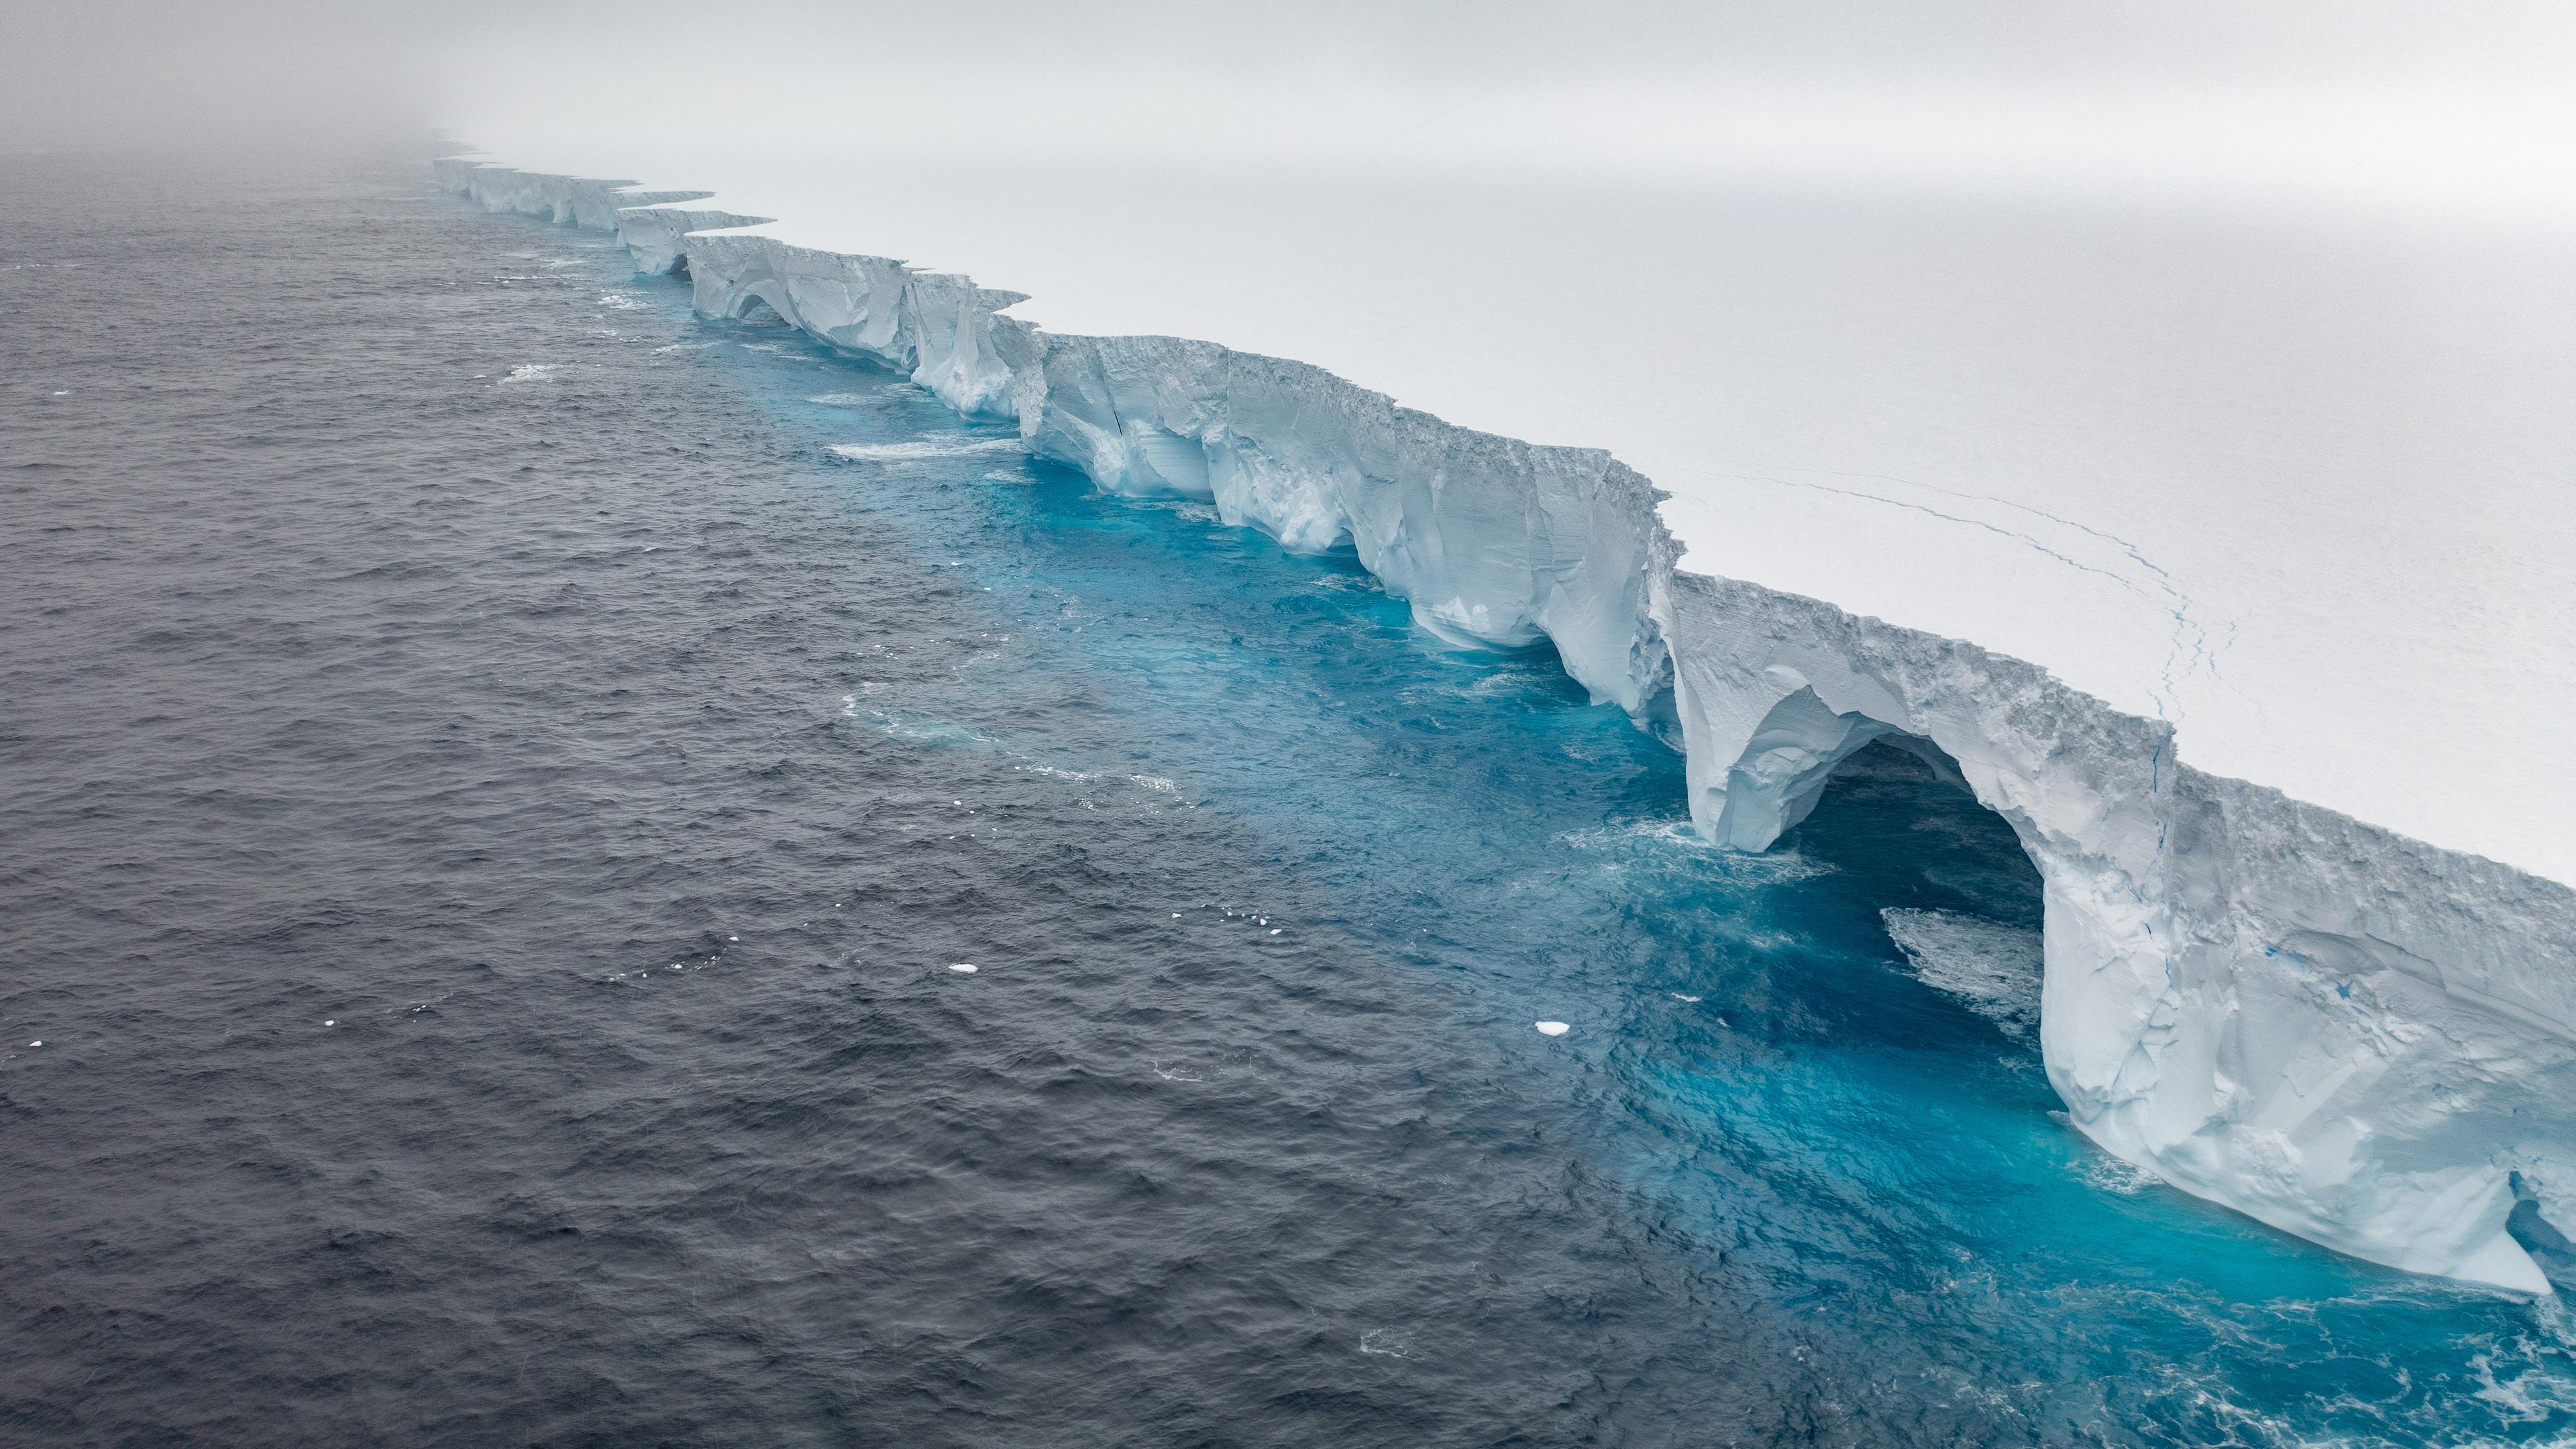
(616, 726)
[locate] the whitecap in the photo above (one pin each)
(2112, 1174)
(1387, 1341)
(530, 372)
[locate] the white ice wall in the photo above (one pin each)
(2340, 1031)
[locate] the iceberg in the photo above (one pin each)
(2339, 1030)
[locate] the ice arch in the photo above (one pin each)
(2259, 1001)
(1793, 754)
(754, 306)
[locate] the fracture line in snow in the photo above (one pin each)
(2189, 636)
(2203, 657)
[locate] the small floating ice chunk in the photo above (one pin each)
(330, 1023)
(733, 938)
(35, 1043)
(1553, 1028)
(1274, 930)
(963, 968)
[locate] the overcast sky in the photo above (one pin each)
(2460, 102)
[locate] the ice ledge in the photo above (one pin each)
(2340, 1031)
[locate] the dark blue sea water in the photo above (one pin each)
(494, 801)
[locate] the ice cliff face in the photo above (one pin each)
(652, 233)
(566, 200)
(942, 329)
(2337, 1030)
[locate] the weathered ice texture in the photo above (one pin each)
(653, 233)
(2342, 1032)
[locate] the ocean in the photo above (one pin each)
(505, 779)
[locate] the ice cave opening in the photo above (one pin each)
(1913, 852)
(2541, 1238)
(754, 310)
(1898, 810)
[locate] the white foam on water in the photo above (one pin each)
(1387, 1341)
(1993, 969)
(530, 372)
(906, 452)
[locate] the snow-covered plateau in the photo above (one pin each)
(2335, 1028)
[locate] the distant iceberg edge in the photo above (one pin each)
(2334, 1029)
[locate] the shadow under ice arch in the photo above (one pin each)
(2348, 1034)
(1793, 754)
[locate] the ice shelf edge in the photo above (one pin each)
(2348, 1034)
